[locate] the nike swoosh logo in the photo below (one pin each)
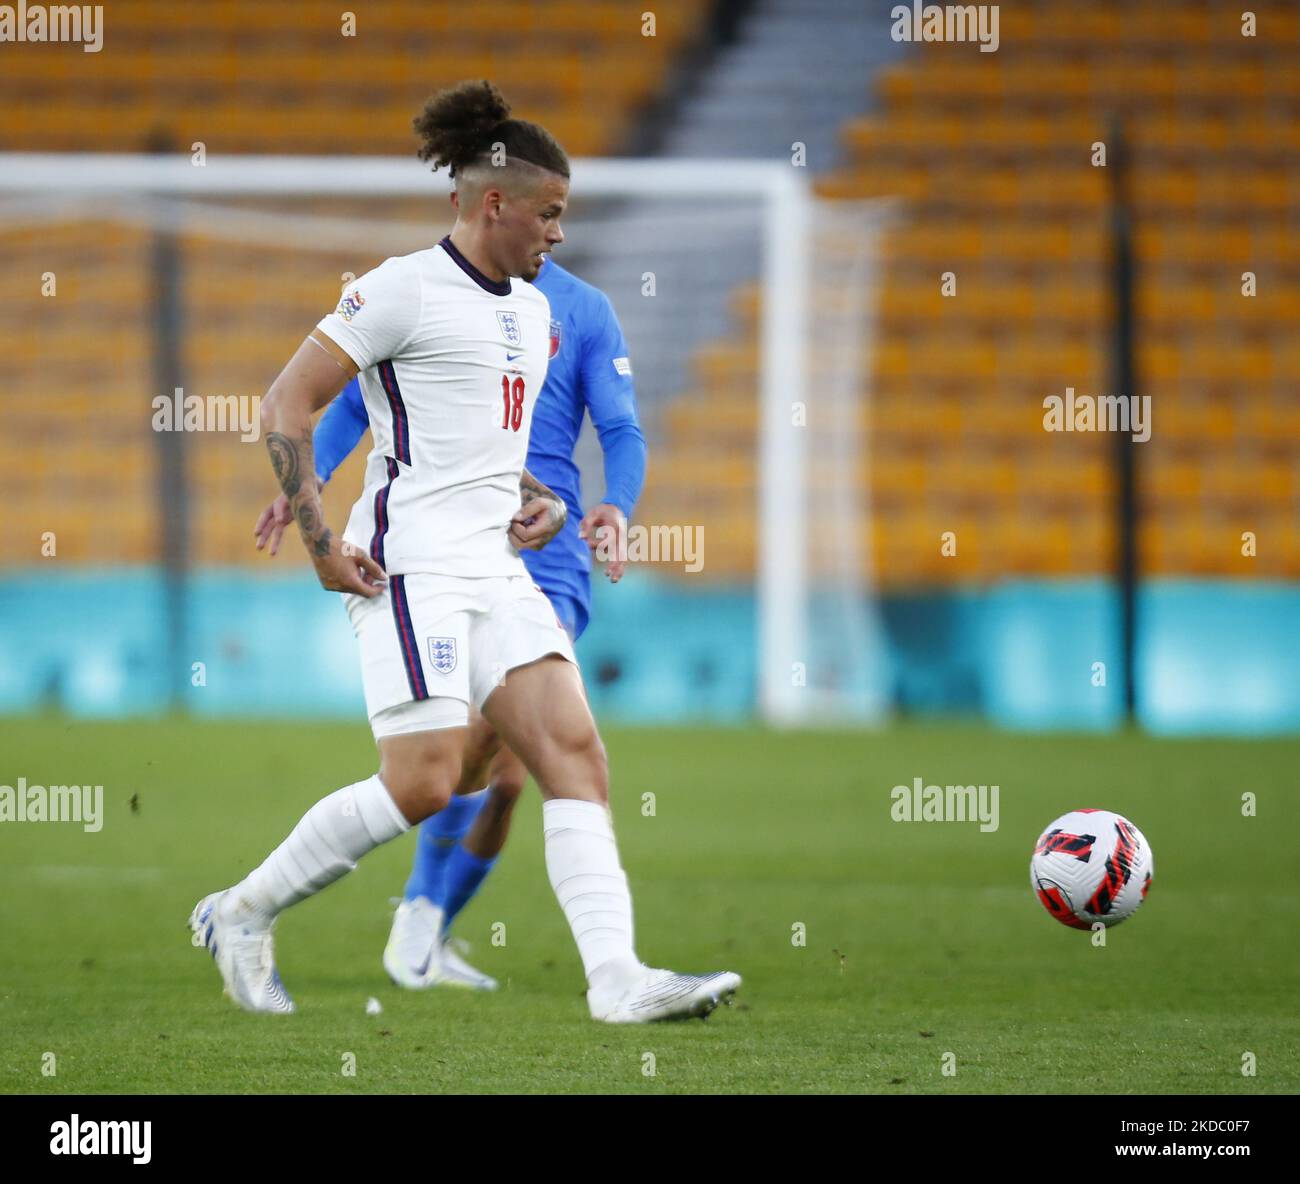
(511, 357)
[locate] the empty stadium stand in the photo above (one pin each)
(992, 158)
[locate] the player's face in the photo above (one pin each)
(530, 226)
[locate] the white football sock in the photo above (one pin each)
(324, 846)
(582, 863)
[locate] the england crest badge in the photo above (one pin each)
(442, 654)
(509, 323)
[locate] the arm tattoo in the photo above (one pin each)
(530, 487)
(309, 521)
(291, 459)
(321, 547)
(284, 459)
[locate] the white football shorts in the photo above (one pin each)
(433, 644)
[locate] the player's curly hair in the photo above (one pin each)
(459, 126)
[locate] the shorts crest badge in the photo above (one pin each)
(442, 654)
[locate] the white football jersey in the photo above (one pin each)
(451, 364)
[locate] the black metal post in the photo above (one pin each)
(173, 486)
(1124, 384)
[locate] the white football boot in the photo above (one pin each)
(413, 953)
(454, 971)
(418, 956)
(244, 955)
(663, 995)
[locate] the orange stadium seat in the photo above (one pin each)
(979, 149)
(265, 76)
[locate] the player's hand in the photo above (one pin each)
(271, 523)
(347, 568)
(537, 523)
(605, 529)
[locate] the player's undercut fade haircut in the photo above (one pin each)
(459, 127)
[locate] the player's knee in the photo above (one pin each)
(420, 788)
(421, 798)
(505, 789)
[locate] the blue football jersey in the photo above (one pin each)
(589, 371)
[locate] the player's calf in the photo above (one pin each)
(487, 833)
(483, 749)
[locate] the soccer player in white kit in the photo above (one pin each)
(451, 356)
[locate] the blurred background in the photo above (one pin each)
(970, 256)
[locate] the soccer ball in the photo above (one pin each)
(1091, 867)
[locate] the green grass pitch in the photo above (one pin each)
(922, 939)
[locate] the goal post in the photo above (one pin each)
(159, 191)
